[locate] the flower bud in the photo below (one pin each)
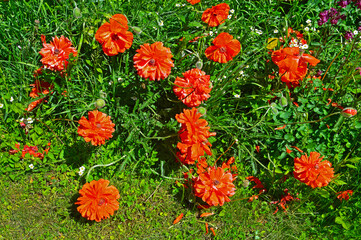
(77, 12)
(349, 112)
(199, 64)
(137, 30)
(202, 110)
(283, 101)
(100, 103)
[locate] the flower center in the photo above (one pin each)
(56, 52)
(216, 182)
(316, 166)
(114, 37)
(152, 62)
(101, 202)
(222, 49)
(98, 125)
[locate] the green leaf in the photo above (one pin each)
(341, 221)
(351, 166)
(289, 137)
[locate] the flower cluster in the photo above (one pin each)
(31, 150)
(193, 88)
(331, 14)
(194, 135)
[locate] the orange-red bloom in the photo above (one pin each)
(292, 64)
(194, 135)
(153, 61)
(98, 200)
(34, 104)
(311, 171)
(214, 186)
(40, 87)
(344, 195)
(193, 1)
(216, 15)
(97, 129)
(194, 88)
(56, 53)
(224, 49)
(114, 36)
(256, 181)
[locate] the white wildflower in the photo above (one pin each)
(308, 21)
(355, 32)
(1, 105)
(30, 120)
(210, 33)
(275, 31)
(31, 166)
(177, 5)
(155, 28)
(82, 169)
(161, 23)
(259, 32)
(307, 29)
(11, 99)
(231, 11)
(229, 16)
(81, 173)
(237, 96)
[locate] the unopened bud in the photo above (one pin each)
(202, 110)
(100, 103)
(77, 12)
(137, 30)
(349, 112)
(273, 108)
(199, 64)
(283, 101)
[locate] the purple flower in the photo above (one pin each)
(348, 35)
(319, 73)
(334, 21)
(359, 28)
(343, 4)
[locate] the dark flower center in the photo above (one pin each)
(214, 14)
(216, 182)
(56, 51)
(152, 62)
(114, 37)
(222, 49)
(98, 125)
(101, 202)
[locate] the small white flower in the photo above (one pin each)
(307, 29)
(81, 173)
(210, 33)
(183, 4)
(119, 79)
(313, 29)
(224, 76)
(11, 99)
(247, 66)
(355, 32)
(275, 31)
(242, 73)
(19, 47)
(155, 28)
(236, 140)
(161, 23)
(237, 96)
(259, 32)
(110, 83)
(304, 46)
(252, 28)
(31, 166)
(231, 11)
(1, 105)
(177, 5)
(82, 169)
(229, 16)
(308, 21)
(30, 120)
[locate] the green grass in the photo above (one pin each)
(39, 203)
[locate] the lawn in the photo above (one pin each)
(180, 119)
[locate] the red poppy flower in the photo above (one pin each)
(189, 153)
(344, 195)
(194, 88)
(256, 181)
(153, 61)
(34, 104)
(56, 53)
(114, 36)
(98, 200)
(311, 171)
(292, 65)
(97, 129)
(216, 15)
(40, 87)
(214, 186)
(194, 129)
(224, 49)
(193, 1)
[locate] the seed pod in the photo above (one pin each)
(199, 64)
(202, 110)
(137, 30)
